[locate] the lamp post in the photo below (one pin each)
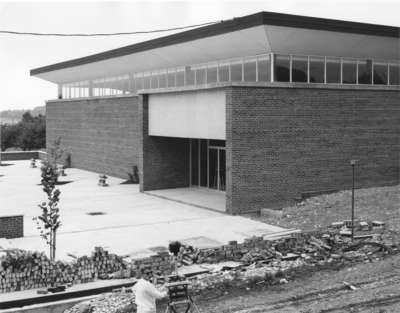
(353, 164)
(0, 142)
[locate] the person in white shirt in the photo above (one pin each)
(146, 295)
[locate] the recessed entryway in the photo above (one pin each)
(208, 163)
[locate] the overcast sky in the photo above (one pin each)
(19, 54)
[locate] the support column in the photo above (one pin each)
(59, 91)
(90, 88)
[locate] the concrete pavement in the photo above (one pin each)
(131, 221)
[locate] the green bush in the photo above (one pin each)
(28, 134)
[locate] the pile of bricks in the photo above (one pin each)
(155, 265)
(98, 265)
(314, 247)
(359, 226)
(22, 270)
(234, 251)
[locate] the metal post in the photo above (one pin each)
(0, 142)
(256, 69)
(242, 69)
(272, 64)
(341, 71)
(59, 91)
(353, 163)
(190, 162)
(218, 69)
(90, 88)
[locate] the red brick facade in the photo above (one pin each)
(101, 134)
(285, 141)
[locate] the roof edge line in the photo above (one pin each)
(227, 26)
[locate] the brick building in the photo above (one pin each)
(255, 110)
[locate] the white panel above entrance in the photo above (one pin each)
(198, 114)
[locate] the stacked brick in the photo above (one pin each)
(234, 251)
(155, 265)
(22, 270)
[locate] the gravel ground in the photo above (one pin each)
(382, 203)
(377, 283)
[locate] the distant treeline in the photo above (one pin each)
(14, 116)
(27, 134)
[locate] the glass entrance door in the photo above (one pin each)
(217, 168)
(208, 159)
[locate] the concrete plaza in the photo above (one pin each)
(130, 221)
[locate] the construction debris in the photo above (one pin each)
(350, 286)
(378, 225)
(255, 261)
(21, 270)
(116, 302)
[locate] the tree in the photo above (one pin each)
(56, 153)
(49, 221)
(33, 132)
(28, 134)
(9, 136)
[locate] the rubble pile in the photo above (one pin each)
(270, 261)
(22, 270)
(115, 302)
(257, 261)
(313, 247)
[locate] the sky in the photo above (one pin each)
(20, 54)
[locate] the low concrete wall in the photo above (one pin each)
(52, 307)
(42, 155)
(12, 226)
(23, 155)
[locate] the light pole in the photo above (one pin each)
(0, 141)
(353, 164)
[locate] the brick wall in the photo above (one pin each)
(12, 226)
(163, 161)
(285, 141)
(101, 135)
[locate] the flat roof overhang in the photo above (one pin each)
(255, 34)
